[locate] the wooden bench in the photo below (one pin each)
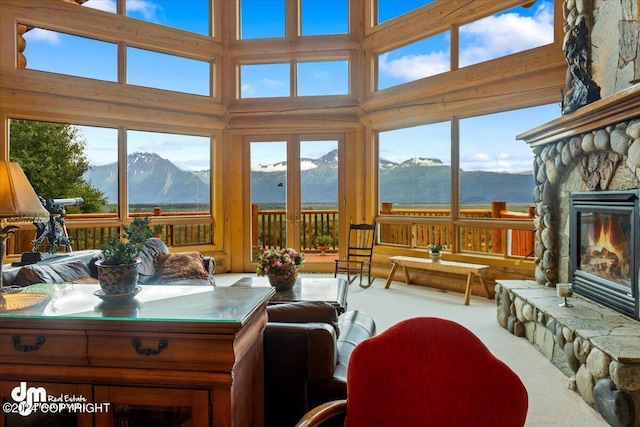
(471, 270)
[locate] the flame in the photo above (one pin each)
(606, 239)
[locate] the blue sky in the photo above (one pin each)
(487, 144)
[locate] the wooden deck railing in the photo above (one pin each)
(89, 231)
(269, 227)
(472, 238)
(269, 230)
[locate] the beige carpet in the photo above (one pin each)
(551, 403)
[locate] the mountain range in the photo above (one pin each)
(153, 179)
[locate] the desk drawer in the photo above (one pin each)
(45, 347)
(158, 350)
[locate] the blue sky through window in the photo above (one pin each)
(511, 31)
(321, 17)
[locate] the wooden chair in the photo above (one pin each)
(426, 371)
(362, 237)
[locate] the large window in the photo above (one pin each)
(415, 168)
(62, 53)
(508, 32)
(168, 72)
(66, 161)
(494, 167)
(321, 17)
(323, 78)
(265, 80)
(168, 171)
(414, 61)
(262, 19)
(190, 15)
(495, 176)
(312, 78)
(72, 55)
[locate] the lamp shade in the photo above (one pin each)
(18, 199)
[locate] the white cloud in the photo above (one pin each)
(40, 35)
(485, 39)
(147, 9)
(414, 67)
(481, 157)
(246, 90)
(272, 83)
(105, 5)
(501, 162)
(501, 35)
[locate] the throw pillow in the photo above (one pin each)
(59, 272)
(150, 251)
(180, 266)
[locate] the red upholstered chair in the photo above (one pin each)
(427, 372)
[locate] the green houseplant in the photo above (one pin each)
(118, 270)
(323, 243)
(435, 249)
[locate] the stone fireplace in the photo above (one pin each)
(587, 171)
(603, 158)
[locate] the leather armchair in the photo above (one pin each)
(306, 353)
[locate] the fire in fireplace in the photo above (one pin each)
(604, 248)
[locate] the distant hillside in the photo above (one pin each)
(152, 179)
(415, 181)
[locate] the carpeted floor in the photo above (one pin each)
(551, 403)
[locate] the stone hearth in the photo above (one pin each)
(597, 348)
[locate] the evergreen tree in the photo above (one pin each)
(52, 156)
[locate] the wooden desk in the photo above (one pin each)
(470, 270)
(328, 289)
(179, 353)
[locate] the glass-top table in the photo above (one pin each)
(151, 303)
(328, 289)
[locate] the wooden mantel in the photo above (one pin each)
(621, 106)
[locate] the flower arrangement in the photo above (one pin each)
(435, 248)
(279, 262)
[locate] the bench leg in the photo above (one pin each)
(486, 288)
(406, 275)
(467, 292)
(391, 273)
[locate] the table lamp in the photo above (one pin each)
(19, 203)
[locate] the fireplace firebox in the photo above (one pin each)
(605, 248)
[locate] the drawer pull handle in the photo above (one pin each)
(24, 348)
(162, 344)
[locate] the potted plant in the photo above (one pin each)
(322, 243)
(118, 270)
(280, 266)
(435, 249)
